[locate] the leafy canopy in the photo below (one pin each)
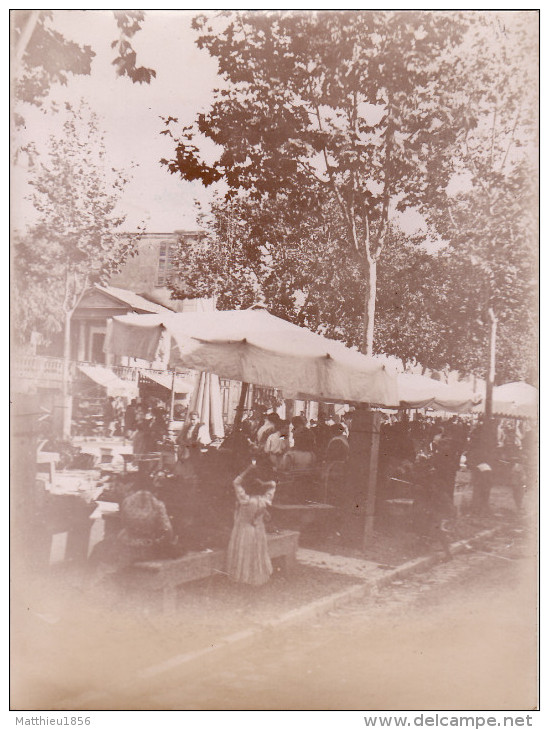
(76, 239)
(42, 56)
(345, 106)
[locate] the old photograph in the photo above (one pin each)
(274, 362)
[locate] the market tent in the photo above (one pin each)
(114, 385)
(256, 347)
(166, 380)
(515, 400)
(420, 391)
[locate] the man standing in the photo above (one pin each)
(194, 434)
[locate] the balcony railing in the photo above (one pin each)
(49, 370)
(33, 367)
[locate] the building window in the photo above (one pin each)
(166, 255)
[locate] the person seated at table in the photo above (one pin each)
(276, 444)
(178, 489)
(301, 455)
(146, 533)
(322, 434)
(337, 448)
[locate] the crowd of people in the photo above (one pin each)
(293, 444)
(164, 512)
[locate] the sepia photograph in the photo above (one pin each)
(274, 375)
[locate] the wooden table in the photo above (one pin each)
(160, 578)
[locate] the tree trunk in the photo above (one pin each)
(67, 396)
(488, 404)
(369, 307)
(26, 35)
(172, 397)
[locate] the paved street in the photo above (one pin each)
(461, 636)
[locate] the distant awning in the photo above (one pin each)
(114, 385)
(514, 400)
(180, 385)
(420, 391)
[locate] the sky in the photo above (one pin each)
(130, 113)
(131, 116)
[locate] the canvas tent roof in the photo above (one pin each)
(256, 347)
(515, 400)
(420, 391)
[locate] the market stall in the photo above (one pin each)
(256, 347)
(94, 384)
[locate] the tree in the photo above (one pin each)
(345, 106)
(76, 240)
(490, 219)
(258, 251)
(41, 56)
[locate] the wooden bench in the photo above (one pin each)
(302, 516)
(160, 578)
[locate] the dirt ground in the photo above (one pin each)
(68, 640)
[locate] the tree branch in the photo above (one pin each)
(511, 138)
(25, 37)
(349, 218)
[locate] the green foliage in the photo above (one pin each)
(490, 222)
(129, 23)
(75, 240)
(42, 56)
(327, 122)
(341, 106)
(47, 57)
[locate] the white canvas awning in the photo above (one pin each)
(114, 385)
(256, 347)
(515, 400)
(420, 391)
(180, 385)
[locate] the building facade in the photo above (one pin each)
(147, 273)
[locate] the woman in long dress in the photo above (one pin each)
(248, 554)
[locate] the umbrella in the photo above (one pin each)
(206, 401)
